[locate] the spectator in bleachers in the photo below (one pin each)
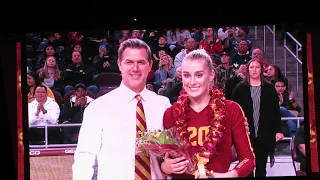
(257, 54)
(224, 71)
(238, 35)
(199, 34)
(51, 76)
(48, 51)
(73, 111)
(211, 43)
(173, 38)
(242, 54)
(150, 37)
(106, 61)
(159, 49)
(78, 72)
(240, 75)
(173, 87)
(74, 38)
(274, 73)
(43, 110)
(190, 46)
(165, 72)
(135, 34)
(260, 103)
(33, 81)
(84, 55)
(121, 36)
(288, 106)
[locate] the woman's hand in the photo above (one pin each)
(174, 166)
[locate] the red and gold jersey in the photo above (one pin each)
(234, 134)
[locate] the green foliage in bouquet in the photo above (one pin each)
(157, 137)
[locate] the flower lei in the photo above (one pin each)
(217, 104)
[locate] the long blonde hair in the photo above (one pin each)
(43, 72)
(169, 59)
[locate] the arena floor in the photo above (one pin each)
(59, 167)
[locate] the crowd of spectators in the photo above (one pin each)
(71, 68)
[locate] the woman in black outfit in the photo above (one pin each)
(260, 103)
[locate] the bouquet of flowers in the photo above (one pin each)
(158, 143)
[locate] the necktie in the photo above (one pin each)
(142, 162)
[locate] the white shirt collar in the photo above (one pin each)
(129, 95)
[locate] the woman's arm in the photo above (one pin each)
(241, 142)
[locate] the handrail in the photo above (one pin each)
(273, 32)
(46, 145)
(295, 56)
(46, 132)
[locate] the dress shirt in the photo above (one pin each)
(108, 131)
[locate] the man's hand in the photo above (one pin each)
(105, 64)
(83, 101)
(280, 98)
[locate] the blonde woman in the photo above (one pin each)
(165, 72)
(51, 75)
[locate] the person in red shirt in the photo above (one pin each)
(209, 121)
(211, 43)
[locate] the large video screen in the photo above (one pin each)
(76, 68)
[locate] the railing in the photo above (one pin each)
(295, 56)
(46, 145)
(273, 32)
(291, 118)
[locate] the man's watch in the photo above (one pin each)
(44, 111)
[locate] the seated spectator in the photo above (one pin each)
(211, 43)
(274, 73)
(257, 54)
(288, 106)
(106, 61)
(48, 51)
(159, 49)
(173, 87)
(78, 72)
(240, 75)
(43, 110)
(301, 148)
(173, 38)
(164, 73)
(242, 55)
(190, 46)
(33, 81)
(224, 71)
(199, 34)
(84, 54)
(51, 75)
(150, 37)
(238, 35)
(73, 112)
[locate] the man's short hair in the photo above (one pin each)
(134, 44)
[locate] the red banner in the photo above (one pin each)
(19, 115)
(312, 116)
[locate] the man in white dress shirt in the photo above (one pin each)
(108, 129)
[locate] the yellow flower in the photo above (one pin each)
(310, 76)
(20, 139)
(19, 81)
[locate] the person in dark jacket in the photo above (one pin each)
(260, 103)
(73, 111)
